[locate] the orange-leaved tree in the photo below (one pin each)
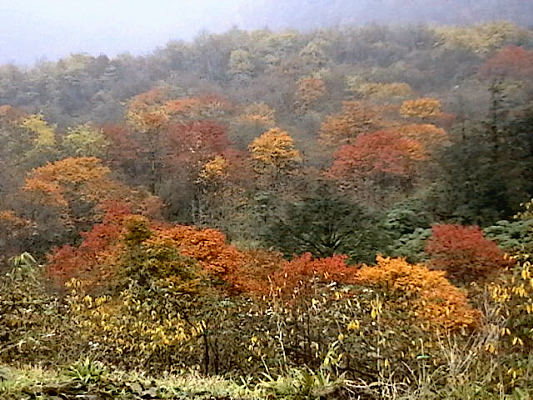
(384, 92)
(147, 115)
(156, 117)
(150, 111)
(10, 114)
(427, 134)
(355, 118)
(189, 109)
(259, 113)
(146, 111)
(191, 145)
(79, 190)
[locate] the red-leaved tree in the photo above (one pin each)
(512, 61)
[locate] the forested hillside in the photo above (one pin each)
(337, 213)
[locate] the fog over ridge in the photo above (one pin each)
(31, 30)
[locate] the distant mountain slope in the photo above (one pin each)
(306, 14)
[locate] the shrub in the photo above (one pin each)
(94, 258)
(15, 234)
(411, 246)
(464, 253)
(514, 295)
(427, 293)
(512, 236)
(32, 329)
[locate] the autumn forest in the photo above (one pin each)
(341, 213)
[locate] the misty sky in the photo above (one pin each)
(34, 29)
(31, 30)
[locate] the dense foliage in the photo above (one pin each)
(348, 205)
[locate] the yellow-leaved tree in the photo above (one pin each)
(425, 107)
(43, 140)
(44, 133)
(260, 113)
(309, 91)
(85, 141)
(382, 92)
(274, 153)
(479, 39)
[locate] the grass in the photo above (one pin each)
(14, 381)
(89, 379)
(92, 378)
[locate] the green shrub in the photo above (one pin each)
(32, 326)
(411, 245)
(512, 236)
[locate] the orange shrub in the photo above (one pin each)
(254, 274)
(208, 246)
(303, 271)
(429, 295)
(94, 258)
(97, 258)
(260, 272)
